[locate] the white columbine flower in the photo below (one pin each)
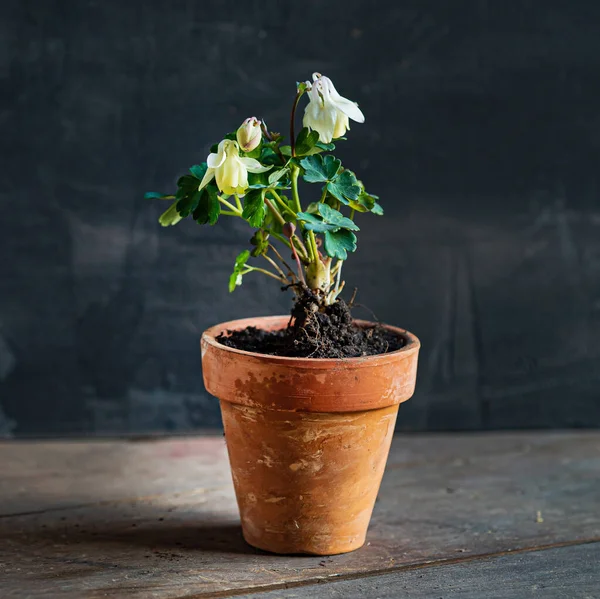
(230, 169)
(327, 112)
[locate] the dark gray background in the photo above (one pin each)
(482, 139)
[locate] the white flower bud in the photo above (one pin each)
(249, 134)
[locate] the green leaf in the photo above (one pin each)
(188, 183)
(306, 141)
(315, 223)
(325, 147)
(258, 180)
(260, 241)
(338, 243)
(187, 204)
(275, 176)
(208, 207)
(344, 187)
(236, 276)
(364, 202)
(336, 218)
(325, 218)
(286, 150)
(312, 208)
(254, 207)
(170, 216)
(199, 170)
(154, 195)
(319, 169)
(269, 156)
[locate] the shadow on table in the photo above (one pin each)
(161, 531)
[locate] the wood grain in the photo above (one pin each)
(158, 518)
(566, 572)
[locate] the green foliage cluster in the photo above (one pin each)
(324, 231)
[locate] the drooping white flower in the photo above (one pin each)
(230, 169)
(327, 112)
(249, 134)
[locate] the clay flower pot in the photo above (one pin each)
(308, 439)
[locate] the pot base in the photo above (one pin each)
(285, 550)
(306, 482)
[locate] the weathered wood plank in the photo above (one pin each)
(159, 519)
(567, 572)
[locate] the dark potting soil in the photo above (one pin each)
(316, 333)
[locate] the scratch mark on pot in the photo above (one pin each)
(267, 460)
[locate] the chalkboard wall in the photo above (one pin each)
(482, 139)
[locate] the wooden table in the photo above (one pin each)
(469, 516)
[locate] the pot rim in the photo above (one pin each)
(412, 343)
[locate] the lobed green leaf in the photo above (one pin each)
(275, 176)
(254, 207)
(318, 169)
(170, 216)
(236, 276)
(336, 218)
(315, 223)
(208, 208)
(337, 244)
(306, 141)
(344, 187)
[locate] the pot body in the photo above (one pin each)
(307, 439)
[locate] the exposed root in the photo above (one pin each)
(316, 330)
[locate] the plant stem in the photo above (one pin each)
(323, 195)
(298, 264)
(274, 265)
(313, 245)
(280, 257)
(280, 201)
(295, 197)
(337, 266)
(298, 244)
(229, 213)
(337, 280)
(265, 272)
(352, 213)
(292, 119)
(238, 211)
(238, 203)
(275, 212)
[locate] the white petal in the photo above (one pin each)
(254, 166)
(216, 160)
(321, 119)
(228, 175)
(341, 125)
(208, 177)
(348, 107)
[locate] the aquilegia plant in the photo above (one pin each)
(251, 175)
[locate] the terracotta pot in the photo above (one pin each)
(307, 438)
